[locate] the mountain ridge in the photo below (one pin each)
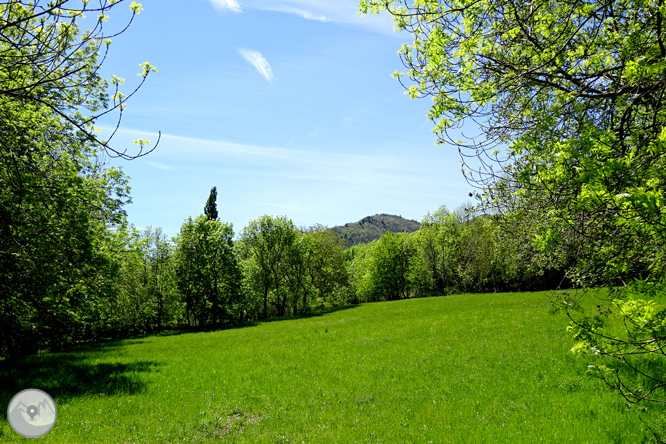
(373, 227)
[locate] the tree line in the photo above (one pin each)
(207, 277)
(210, 277)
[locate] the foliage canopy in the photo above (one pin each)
(557, 108)
(58, 200)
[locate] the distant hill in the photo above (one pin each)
(372, 227)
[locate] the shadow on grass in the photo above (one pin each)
(209, 328)
(72, 374)
(312, 314)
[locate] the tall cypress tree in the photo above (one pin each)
(210, 210)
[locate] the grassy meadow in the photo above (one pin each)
(459, 369)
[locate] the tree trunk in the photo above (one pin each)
(265, 301)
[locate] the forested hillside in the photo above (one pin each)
(372, 227)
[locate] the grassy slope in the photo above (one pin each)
(460, 369)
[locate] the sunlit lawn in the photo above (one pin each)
(468, 368)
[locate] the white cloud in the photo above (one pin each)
(308, 185)
(341, 11)
(159, 165)
(224, 5)
(282, 207)
(292, 163)
(309, 14)
(258, 61)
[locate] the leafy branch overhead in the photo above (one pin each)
(558, 111)
(48, 61)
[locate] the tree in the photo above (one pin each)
(161, 281)
(315, 269)
(208, 273)
(210, 210)
(419, 277)
(129, 310)
(249, 305)
(266, 242)
(390, 265)
(327, 270)
(358, 264)
(207, 270)
(145, 296)
(57, 198)
(569, 100)
(440, 242)
(299, 273)
(458, 249)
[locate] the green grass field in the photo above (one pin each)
(459, 369)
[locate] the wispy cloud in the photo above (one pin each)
(159, 165)
(283, 207)
(285, 162)
(341, 11)
(226, 5)
(308, 185)
(258, 61)
(294, 8)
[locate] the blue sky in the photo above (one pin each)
(287, 106)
